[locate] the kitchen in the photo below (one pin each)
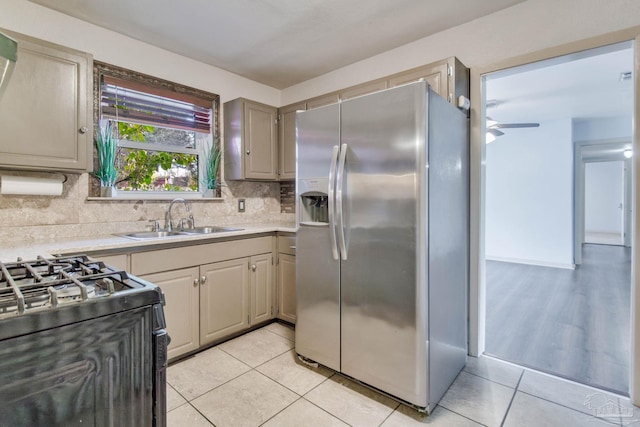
(508, 33)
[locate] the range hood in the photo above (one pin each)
(8, 58)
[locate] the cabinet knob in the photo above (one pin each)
(196, 282)
(83, 130)
(253, 267)
(248, 152)
(203, 279)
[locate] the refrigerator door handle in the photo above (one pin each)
(339, 207)
(331, 196)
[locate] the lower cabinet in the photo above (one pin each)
(224, 299)
(287, 287)
(261, 288)
(181, 294)
(211, 301)
(287, 277)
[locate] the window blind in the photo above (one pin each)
(134, 102)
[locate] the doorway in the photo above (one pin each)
(556, 300)
(604, 203)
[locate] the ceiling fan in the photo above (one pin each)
(493, 128)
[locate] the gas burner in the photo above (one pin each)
(46, 284)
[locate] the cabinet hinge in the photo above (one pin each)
(248, 264)
(278, 260)
(449, 70)
(271, 260)
(272, 311)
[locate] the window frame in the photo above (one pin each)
(101, 69)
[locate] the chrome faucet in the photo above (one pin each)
(167, 217)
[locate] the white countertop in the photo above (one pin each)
(10, 251)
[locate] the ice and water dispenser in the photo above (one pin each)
(313, 206)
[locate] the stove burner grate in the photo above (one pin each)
(45, 284)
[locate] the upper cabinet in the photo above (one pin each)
(322, 100)
(449, 78)
(45, 113)
(250, 140)
(287, 140)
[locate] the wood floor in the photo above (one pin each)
(571, 323)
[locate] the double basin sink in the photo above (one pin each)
(143, 235)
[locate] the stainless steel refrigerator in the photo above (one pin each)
(382, 244)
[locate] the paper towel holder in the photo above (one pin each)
(51, 184)
(63, 177)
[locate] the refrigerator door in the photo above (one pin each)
(317, 265)
(383, 330)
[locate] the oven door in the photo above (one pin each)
(98, 372)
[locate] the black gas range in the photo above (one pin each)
(81, 344)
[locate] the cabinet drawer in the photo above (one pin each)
(287, 245)
(189, 256)
(120, 261)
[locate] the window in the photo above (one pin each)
(164, 133)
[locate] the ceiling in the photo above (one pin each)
(278, 42)
(584, 85)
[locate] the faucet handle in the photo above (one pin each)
(155, 226)
(187, 223)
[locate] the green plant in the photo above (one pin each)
(212, 157)
(106, 146)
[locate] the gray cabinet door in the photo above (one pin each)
(224, 299)
(287, 140)
(45, 112)
(261, 288)
(434, 74)
(260, 141)
(363, 89)
(180, 288)
(287, 287)
(321, 101)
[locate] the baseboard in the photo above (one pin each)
(531, 262)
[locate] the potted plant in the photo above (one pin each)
(212, 164)
(106, 146)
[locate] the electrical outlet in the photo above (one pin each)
(240, 205)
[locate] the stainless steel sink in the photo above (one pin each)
(142, 235)
(210, 230)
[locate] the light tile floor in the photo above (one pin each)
(256, 380)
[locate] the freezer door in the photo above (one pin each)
(382, 283)
(317, 332)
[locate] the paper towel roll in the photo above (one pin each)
(30, 186)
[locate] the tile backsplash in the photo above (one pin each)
(288, 197)
(72, 214)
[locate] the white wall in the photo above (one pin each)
(602, 128)
(525, 27)
(602, 196)
(110, 47)
(529, 202)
